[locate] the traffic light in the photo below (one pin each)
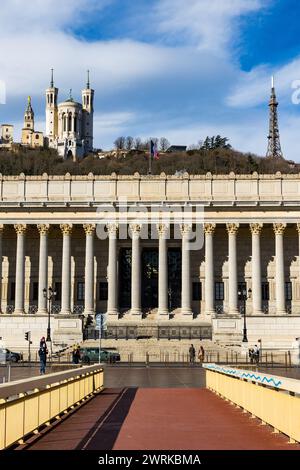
(27, 335)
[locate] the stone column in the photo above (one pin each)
(136, 307)
(256, 269)
(43, 267)
(20, 269)
(66, 269)
(163, 270)
(89, 307)
(232, 269)
(186, 308)
(112, 274)
(279, 260)
(1, 253)
(209, 230)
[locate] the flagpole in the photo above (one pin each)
(150, 159)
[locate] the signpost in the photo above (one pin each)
(101, 325)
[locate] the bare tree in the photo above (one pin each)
(119, 143)
(164, 144)
(138, 144)
(129, 142)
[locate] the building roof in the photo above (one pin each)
(177, 148)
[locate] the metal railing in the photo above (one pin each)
(273, 399)
(27, 405)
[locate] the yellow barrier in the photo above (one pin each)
(275, 400)
(27, 405)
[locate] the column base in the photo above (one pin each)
(65, 312)
(42, 312)
(136, 312)
(281, 312)
(113, 312)
(257, 312)
(186, 311)
(19, 312)
(162, 312)
(234, 312)
(86, 313)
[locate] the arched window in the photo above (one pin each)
(75, 124)
(51, 98)
(65, 122)
(70, 123)
(88, 100)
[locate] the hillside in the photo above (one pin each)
(218, 161)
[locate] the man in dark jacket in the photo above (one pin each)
(43, 351)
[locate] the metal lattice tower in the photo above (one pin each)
(274, 147)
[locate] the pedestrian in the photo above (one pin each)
(43, 351)
(201, 354)
(250, 353)
(192, 353)
(256, 354)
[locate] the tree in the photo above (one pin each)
(164, 144)
(119, 143)
(138, 144)
(129, 142)
(215, 142)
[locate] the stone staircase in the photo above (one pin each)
(163, 350)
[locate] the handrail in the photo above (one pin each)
(28, 405)
(26, 385)
(275, 381)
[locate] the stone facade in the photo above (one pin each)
(88, 237)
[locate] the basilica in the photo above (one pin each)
(69, 125)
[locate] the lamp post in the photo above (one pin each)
(242, 295)
(50, 295)
(170, 293)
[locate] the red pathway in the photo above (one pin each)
(163, 419)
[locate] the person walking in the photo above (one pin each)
(192, 353)
(43, 351)
(201, 354)
(256, 354)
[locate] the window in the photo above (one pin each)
(197, 291)
(219, 291)
(12, 291)
(58, 291)
(288, 291)
(265, 291)
(103, 291)
(35, 291)
(80, 291)
(37, 137)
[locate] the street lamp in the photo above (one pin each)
(50, 295)
(170, 293)
(242, 295)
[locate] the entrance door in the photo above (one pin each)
(150, 278)
(125, 278)
(174, 278)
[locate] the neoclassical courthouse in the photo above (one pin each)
(88, 238)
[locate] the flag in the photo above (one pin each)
(154, 150)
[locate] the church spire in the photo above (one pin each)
(274, 147)
(88, 86)
(52, 79)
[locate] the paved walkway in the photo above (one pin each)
(161, 418)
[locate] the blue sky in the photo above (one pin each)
(182, 69)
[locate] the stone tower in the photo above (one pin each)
(29, 116)
(88, 115)
(51, 112)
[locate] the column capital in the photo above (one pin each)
(185, 229)
(112, 229)
(232, 228)
(162, 230)
(43, 228)
(256, 228)
(135, 229)
(66, 229)
(20, 229)
(1, 228)
(279, 228)
(298, 227)
(209, 229)
(89, 229)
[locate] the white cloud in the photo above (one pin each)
(210, 24)
(40, 15)
(253, 87)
